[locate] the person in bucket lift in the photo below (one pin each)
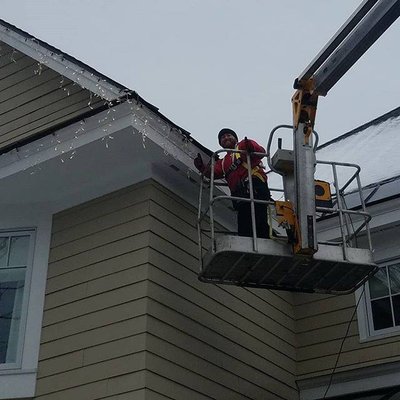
(233, 168)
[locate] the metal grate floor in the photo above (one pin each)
(273, 266)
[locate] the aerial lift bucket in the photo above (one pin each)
(337, 267)
(273, 266)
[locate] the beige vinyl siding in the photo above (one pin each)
(207, 341)
(126, 317)
(321, 327)
(94, 329)
(322, 322)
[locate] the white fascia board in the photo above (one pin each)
(167, 136)
(351, 382)
(102, 125)
(59, 143)
(384, 214)
(57, 62)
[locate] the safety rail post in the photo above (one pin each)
(347, 219)
(340, 210)
(211, 202)
(365, 210)
(252, 205)
(199, 218)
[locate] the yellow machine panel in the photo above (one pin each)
(323, 196)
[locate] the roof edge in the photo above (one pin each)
(61, 62)
(27, 36)
(391, 114)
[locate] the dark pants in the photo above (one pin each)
(243, 208)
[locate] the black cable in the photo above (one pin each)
(389, 395)
(342, 344)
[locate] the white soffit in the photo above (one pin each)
(102, 126)
(113, 149)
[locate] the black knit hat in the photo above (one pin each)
(226, 130)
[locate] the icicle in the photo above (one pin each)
(90, 100)
(106, 139)
(14, 52)
(144, 139)
(39, 70)
(185, 143)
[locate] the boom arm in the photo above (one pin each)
(354, 38)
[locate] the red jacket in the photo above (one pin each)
(233, 175)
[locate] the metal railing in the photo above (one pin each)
(348, 234)
(213, 199)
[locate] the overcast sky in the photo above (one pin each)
(209, 64)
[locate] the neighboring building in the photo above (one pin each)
(370, 357)
(99, 296)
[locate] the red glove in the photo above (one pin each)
(198, 163)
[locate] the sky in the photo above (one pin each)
(209, 64)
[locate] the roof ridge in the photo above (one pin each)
(65, 55)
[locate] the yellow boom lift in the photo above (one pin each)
(299, 261)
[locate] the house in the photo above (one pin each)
(99, 296)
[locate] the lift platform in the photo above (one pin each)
(233, 261)
(339, 266)
(300, 261)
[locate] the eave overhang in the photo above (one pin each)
(113, 149)
(43, 90)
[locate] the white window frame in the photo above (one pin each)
(25, 293)
(364, 312)
(18, 380)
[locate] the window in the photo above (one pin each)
(379, 310)
(24, 256)
(384, 300)
(15, 269)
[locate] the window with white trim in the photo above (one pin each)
(25, 236)
(16, 253)
(383, 300)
